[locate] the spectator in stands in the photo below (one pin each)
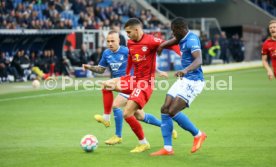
(116, 26)
(54, 63)
(72, 57)
(206, 44)
(223, 43)
(6, 69)
(84, 54)
(3, 67)
(21, 63)
(236, 48)
(96, 56)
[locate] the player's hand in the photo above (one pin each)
(159, 50)
(180, 74)
(163, 74)
(85, 66)
(270, 75)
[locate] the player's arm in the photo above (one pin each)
(267, 67)
(129, 65)
(96, 69)
(169, 44)
(195, 64)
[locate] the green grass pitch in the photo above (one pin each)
(44, 128)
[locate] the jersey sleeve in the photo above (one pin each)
(193, 44)
(264, 49)
(129, 65)
(103, 61)
(157, 41)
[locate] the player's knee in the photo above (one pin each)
(171, 113)
(138, 116)
(116, 104)
(165, 109)
(127, 113)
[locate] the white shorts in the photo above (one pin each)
(124, 95)
(186, 89)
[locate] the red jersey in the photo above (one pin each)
(269, 49)
(142, 55)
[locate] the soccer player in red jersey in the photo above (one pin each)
(142, 56)
(269, 49)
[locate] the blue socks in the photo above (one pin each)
(184, 122)
(118, 116)
(150, 119)
(166, 129)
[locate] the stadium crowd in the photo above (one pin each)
(70, 14)
(267, 5)
(25, 65)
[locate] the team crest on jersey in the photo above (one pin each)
(138, 58)
(115, 66)
(144, 48)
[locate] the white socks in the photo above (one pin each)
(198, 134)
(144, 141)
(168, 148)
(106, 117)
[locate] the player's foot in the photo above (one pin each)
(198, 142)
(174, 134)
(114, 140)
(100, 119)
(162, 152)
(141, 148)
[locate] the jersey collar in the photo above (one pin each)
(185, 36)
(117, 49)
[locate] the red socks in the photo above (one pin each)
(52, 69)
(136, 127)
(107, 100)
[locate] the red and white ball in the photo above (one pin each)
(89, 143)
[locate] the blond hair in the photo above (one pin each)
(272, 21)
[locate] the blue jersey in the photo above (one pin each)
(189, 44)
(116, 61)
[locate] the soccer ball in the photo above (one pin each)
(36, 84)
(89, 143)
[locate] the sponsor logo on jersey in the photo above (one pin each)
(115, 66)
(138, 58)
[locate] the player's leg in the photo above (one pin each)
(130, 108)
(166, 128)
(151, 119)
(118, 103)
(107, 102)
(108, 86)
(184, 122)
(183, 99)
(147, 118)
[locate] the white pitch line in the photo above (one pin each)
(41, 95)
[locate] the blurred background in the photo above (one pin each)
(40, 38)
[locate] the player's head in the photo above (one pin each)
(133, 28)
(113, 40)
(179, 27)
(272, 28)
